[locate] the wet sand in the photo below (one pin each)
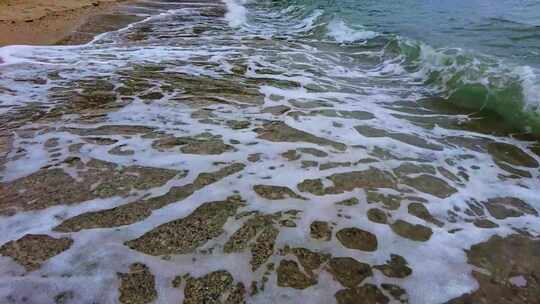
(48, 22)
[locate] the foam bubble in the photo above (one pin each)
(339, 30)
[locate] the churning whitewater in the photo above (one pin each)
(271, 152)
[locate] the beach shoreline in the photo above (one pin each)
(266, 151)
(29, 22)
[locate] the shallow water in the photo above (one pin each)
(269, 141)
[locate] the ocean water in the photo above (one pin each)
(427, 111)
(476, 54)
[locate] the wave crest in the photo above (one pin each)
(339, 30)
(476, 81)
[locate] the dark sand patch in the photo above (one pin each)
(137, 211)
(32, 250)
(278, 131)
(344, 182)
(187, 234)
(138, 286)
(97, 179)
(410, 231)
(354, 238)
(215, 287)
(513, 268)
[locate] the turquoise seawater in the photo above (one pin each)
(508, 29)
(477, 54)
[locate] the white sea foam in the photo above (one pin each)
(531, 87)
(17, 54)
(236, 12)
(339, 30)
(309, 22)
(8, 54)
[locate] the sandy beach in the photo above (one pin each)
(49, 21)
(234, 152)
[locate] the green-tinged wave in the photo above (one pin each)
(467, 78)
(476, 81)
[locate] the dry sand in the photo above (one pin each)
(46, 21)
